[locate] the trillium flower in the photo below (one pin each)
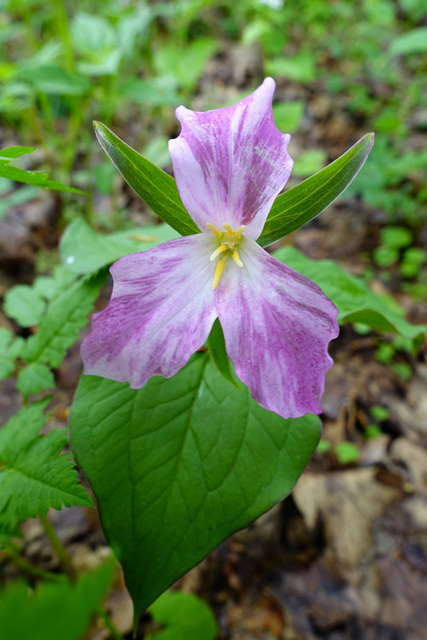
(229, 165)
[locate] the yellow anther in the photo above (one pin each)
(228, 229)
(237, 259)
(216, 253)
(213, 228)
(238, 231)
(218, 273)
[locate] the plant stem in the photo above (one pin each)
(115, 633)
(60, 550)
(26, 565)
(64, 33)
(70, 571)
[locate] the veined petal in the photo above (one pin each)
(277, 325)
(161, 311)
(231, 163)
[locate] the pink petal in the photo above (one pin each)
(277, 325)
(231, 163)
(161, 311)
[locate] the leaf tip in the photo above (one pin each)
(100, 129)
(371, 136)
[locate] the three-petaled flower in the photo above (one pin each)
(229, 166)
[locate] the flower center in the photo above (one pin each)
(229, 241)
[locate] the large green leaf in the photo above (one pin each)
(290, 210)
(85, 251)
(152, 184)
(352, 296)
(299, 205)
(55, 80)
(183, 616)
(61, 610)
(179, 465)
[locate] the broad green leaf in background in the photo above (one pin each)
(352, 296)
(104, 174)
(38, 179)
(301, 67)
(290, 210)
(396, 237)
(153, 185)
(255, 31)
(85, 251)
(131, 28)
(414, 41)
(66, 315)
(92, 35)
(59, 611)
(183, 616)
(304, 202)
(181, 464)
(96, 41)
(186, 64)
(55, 80)
(157, 151)
(288, 115)
(309, 162)
(154, 92)
(34, 476)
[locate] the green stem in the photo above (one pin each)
(64, 33)
(60, 550)
(70, 571)
(115, 633)
(47, 113)
(28, 567)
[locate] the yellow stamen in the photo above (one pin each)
(218, 273)
(216, 253)
(238, 231)
(229, 230)
(213, 228)
(237, 259)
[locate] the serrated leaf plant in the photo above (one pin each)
(34, 476)
(38, 179)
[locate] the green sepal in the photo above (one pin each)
(152, 184)
(290, 211)
(294, 208)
